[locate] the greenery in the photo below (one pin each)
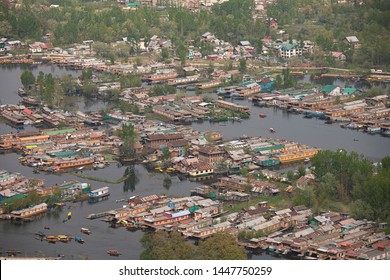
(163, 245)
(27, 78)
(158, 90)
(286, 82)
(128, 135)
(85, 176)
(348, 178)
(106, 22)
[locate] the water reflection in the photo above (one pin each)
(167, 182)
(131, 179)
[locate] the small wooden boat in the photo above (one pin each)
(40, 234)
(79, 239)
(85, 231)
(261, 115)
(64, 238)
(113, 253)
(51, 239)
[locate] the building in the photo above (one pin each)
(28, 212)
(210, 154)
(290, 50)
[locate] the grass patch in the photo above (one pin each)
(120, 180)
(279, 201)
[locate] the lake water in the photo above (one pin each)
(21, 236)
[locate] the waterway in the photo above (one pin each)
(21, 236)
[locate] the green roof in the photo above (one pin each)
(64, 154)
(273, 147)
(132, 4)
(328, 88)
(12, 198)
(289, 46)
(349, 90)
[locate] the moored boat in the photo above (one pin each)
(85, 231)
(79, 239)
(113, 253)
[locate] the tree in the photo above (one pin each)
(131, 179)
(164, 54)
(385, 163)
(301, 171)
(166, 153)
(163, 245)
(346, 167)
(27, 78)
(221, 246)
(242, 67)
(290, 175)
(67, 83)
(128, 135)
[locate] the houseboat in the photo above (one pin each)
(62, 164)
(297, 155)
(30, 101)
(99, 193)
(373, 129)
(13, 118)
(28, 212)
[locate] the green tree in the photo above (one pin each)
(301, 171)
(163, 245)
(27, 78)
(221, 246)
(166, 153)
(128, 136)
(242, 67)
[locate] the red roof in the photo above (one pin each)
(28, 111)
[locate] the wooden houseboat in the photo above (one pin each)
(99, 193)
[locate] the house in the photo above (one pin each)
(160, 140)
(210, 154)
(267, 85)
(273, 23)
(353, 41)
(290, 50)
(331, 90)
(304, 181)
(348, 91)
(200, 169)
(319, 221)
(308, 46)
(263, 188)
(339, 56)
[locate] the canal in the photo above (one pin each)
(21, 236)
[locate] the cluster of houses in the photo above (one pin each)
(297, 233)
(292, 232)
(334, 104)
(15, 185)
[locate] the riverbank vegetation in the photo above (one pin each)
(163, 245)
(350, 181)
